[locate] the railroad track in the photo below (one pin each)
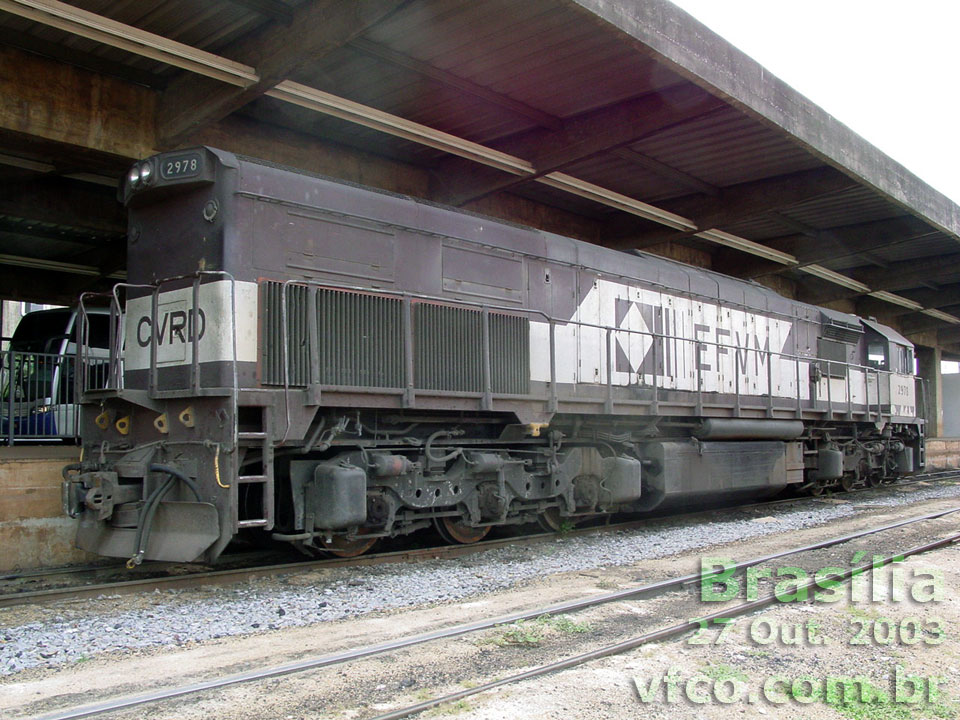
(188, 579)
(572, 606)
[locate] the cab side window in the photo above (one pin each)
(877, 355)
(905, 359)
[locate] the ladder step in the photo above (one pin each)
(261, 436)
(244, 479)
(251, 523)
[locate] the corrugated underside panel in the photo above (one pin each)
(449, 350)
(361, 339)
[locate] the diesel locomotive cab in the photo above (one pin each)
(158, 475)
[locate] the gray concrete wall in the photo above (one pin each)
(951, 405)
(34, 532)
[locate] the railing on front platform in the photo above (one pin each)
(37, 393)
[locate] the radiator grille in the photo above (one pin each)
(449, 350)
(510, 354)
(358, 341)
(361, 339)
(271, 346)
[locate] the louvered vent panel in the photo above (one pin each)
(361, 339)
(449, 350)
(271, 348)
(841, 332)
(510, 354)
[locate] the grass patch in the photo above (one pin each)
(877, 704)
(721, 672)
(532, 632)
(563, 623)
(454, 708)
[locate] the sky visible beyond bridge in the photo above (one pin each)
(886, 68)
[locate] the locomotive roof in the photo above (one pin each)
(700, 281)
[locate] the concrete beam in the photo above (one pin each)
(56, 102)
(811, 246)
(45, 286)
(942, 298)
(582, 137)
(667, 171)
(449, 79)
(192, 102)
(918, 322)
(948, 335)
(51, 199)
(897, 276)
(733, 204)
(74, 118)
(273, 9)
(686, 46)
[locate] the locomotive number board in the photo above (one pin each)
(181, 166)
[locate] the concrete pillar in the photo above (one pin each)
(928, 362)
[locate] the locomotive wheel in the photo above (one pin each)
(847, 482)
(454, 531)
(550, 521)
(340, 546)
(816, 490)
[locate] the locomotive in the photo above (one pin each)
(324, 364)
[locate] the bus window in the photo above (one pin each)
(98, 335)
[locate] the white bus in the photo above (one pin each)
(38, 371)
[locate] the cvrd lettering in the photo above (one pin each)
(175, 326)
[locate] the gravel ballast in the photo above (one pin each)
(171, 620)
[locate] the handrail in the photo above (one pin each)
(117, 339)
(36, 404)
(658, 343)
(610, 334)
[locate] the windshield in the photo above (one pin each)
(34, 370)
(41, 331)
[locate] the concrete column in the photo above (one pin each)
(928, 361)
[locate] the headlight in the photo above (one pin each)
(146, 173)
(134, 176)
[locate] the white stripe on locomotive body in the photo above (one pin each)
(174, 331)
(698, 333)
(903, 402)
(722, 341)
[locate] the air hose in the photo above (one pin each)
(428, 447)
(149, 509)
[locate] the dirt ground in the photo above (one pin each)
(785, 661)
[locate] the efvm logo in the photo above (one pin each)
(174, 326)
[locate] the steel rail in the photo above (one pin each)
(345, 656)
(126, 587)
(657, 635)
